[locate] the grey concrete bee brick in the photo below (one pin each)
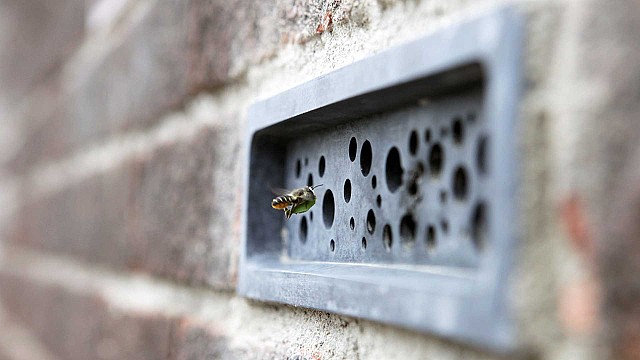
(157, 212)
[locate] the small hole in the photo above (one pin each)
(413, 183)
(321, 166)
(443, 196)
(444, 224)
(408, 230)
(387, 237)
(444, 131)
(366, 156)
(374, 181)
(479, 226)
(298, 166)
(310, 180)
(352, 223)
(310, 216)
(332, 245)
(436, 160)
(353, 149)
(347, 190)
(303, 229)
(393, 170)
(371, 222)
(481, 154)
(431, 238)
(364, 243)
(328, 209)
(458, 131)
(379, 201)
(460, 183)
(413, 142)
(306, 161)
(427, 135)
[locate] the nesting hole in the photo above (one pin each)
(436, 160)
(310, 180)
(374, 181)
(413, 142)
(364, 243)
(332, 245)
(298, 167)
(310, 216)
(443, 196)
(387, 237)
(431, 238)
(408, 230)
(371, 221)
(379, 201)
(353, 149)
(346, 191)
(460, 183)
(481, 155)
(306, 161)
(415, 179)
(366, 157)
(352, 223)
(479, 226)
(427, 135)
(444, 224)
(458, 131)
(304, 229)
(321, 166)
(328, 209)
(393, 170)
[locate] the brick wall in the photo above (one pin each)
(120, 176)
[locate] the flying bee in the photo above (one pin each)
(295, 201)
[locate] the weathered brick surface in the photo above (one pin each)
(151, 213)
(78, 326)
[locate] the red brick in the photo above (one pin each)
(152, 213)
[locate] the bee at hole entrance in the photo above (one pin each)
(296, 201)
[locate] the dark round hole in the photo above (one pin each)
(352, 223)
(353, 149)
(332, 245)
(310, 216)
(427, 135)
(481, 155)
(371, 221)
(460, 183)
(443, 196)
(310, 180)
(366, 157)
(444, 224)
(413, 187)
(413, 142)
(298, 166)
(436, 160)
(304, 228)
(379, 201)
(408, 230)
(347, 190)
(321, 166)
(374, 181)
(387, 237)
(364, 242)
(393, 170)
(328, 209)
(458, 131)
(479, 226)
(431, 238)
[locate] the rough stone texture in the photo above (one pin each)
(151, 213)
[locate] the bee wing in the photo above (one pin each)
(280, 191)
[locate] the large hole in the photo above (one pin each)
(310, 180)
(408, 230)
(321, 166)
(460, 183)
(353, 149)
(387, 237)
(479, 226)
(413, 142)
(393, 170)
(328, 209)
(431, 238)
(481, 155)
(436, 160)
(366, 157)
(346, 191)
(458, 131)
(304, 228)
(371, 221)
(298, 167)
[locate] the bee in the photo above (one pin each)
(295, 201)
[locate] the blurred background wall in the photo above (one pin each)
(121, 135)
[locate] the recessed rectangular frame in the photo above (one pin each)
(471, 307)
